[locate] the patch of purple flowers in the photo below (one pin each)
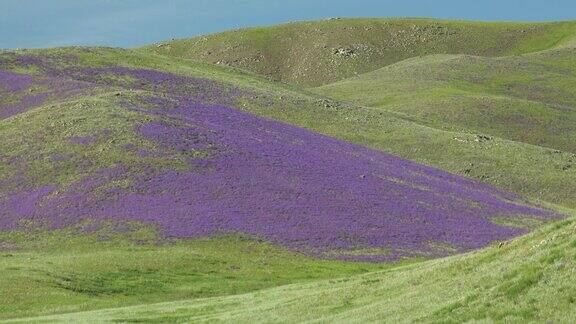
(24, 104)
(281, 183)
(203, 90)
(14, 82)
(285, 184)
(83, 140)
(18, 88)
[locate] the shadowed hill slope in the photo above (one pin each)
(529, 98)
(321, 52)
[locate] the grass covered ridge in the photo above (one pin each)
(321, 52)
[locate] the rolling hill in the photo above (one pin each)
(141, 137)
(316, 53)
(163, 187)
(527, 98)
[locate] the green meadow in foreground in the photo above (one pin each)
(527, 279)
(68, 271)
(494, 102)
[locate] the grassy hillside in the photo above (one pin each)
(105, 151)
(74, 269)
(529, 98)
(528, 279)
(321, 52)
(128, 149)
(536, 172)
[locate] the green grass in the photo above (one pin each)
(529, 98)
(68, 270)
(305, 53)
(527, 279)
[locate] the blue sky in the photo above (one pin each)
(127, 23)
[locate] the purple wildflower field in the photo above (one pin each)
(280, 183)
(26, 91)
(13, 82)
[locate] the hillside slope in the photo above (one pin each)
(529, 98)
(539, 173)
(100, 145)
(132, 155)
(130, 177)
(528, 279)
(320, 52)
